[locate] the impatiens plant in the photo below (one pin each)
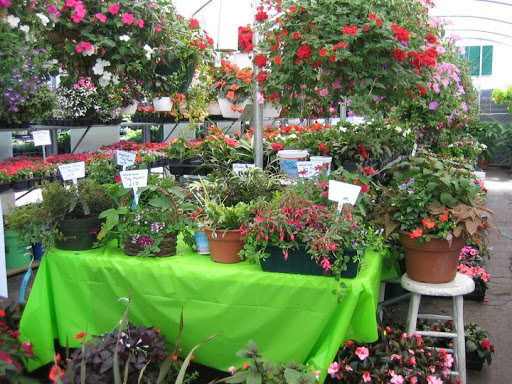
(394, 358)
(233, 83)
(317, 54)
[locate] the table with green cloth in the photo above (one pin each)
(290, 317)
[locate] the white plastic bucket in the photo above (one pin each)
(288, 161)
(130, 109)
(326, 162)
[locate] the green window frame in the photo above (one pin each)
(480, 57)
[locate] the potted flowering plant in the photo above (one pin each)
(300, 222)
(150, 227)
(433, 203)
(316, 54)
(394, 358)
(82, 103)
(234, 87)
(120, 41)
(24, 94)
(471, 264)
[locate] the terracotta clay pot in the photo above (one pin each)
(224, 245)
(483, 164)
(435, 261)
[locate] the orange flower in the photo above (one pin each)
(428, 224)
(444, 216)
(230, 95)
(418, 232)
(234, 87)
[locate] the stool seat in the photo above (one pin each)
(461, 285)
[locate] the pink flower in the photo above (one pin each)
(5, 4)
(362, 352)
(158, 28)
(52, 10)
(128, 18)
(333, 369)
(6, 357)
(348, 368)
(83, 46)
(101, 17)
(323, 92)
(448, 360)
(232, 370)
(434, 380)
(395, 356)
(79, 14)
(140, 23)
(433, 105)
(70, 3)
(413, 380)
(397, 379)
(114, 9)
(367, 377)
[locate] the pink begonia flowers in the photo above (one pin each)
(140, 23)
(362, 352)
(114, 9)
(5, 3)
(128, 18)
(101, 17)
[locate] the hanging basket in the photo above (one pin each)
(162, 104)
(435, 261)
(167, 246)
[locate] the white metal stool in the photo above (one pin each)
(461, 285)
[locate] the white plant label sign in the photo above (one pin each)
(125, 159)
(309, 169)
(41, 138)
(343, 192)
(134, 180)
(239, 168)
(72, 171)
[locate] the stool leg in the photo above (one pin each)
(460, 344)
(412, 317)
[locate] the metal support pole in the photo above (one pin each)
(257, 108)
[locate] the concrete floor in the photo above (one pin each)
(495, 316)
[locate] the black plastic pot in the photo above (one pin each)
(300, 262)
(79, 234)
(18, 185)
(474, 361)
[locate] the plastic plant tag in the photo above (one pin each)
(343, 192)
(309, 169)
(72, 171)
(134, 180)
(125, 159)
(41, 138)
(239, 168)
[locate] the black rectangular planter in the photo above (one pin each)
(300, 262)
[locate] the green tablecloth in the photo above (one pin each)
(290, 317)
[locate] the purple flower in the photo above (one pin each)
(145, 240)
(433, 105)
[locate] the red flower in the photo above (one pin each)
(399, 54)
(260, 60)
(401, 34)
(379, 23)
(364, 188)
(428, 224)
(304, 51)
(323, 148)
(423, 91)
(194, 24)
(262, 77)
(322, 52)
(360, 148)
(418, 232)
(372, 16)
(296, 35)
(261, 15)
(431, 38)
(350, 30)
(80, 335)
(278, 60)
(486, 344)
(277, 146)
(366, 28)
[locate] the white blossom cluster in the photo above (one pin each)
(75, 103)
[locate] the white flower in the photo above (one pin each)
(88, 52)
(149, 51)
(98, 68)
(13, 21)
(105, 79)
(44, 19)
(124, 38)
(115, 79)
(24, 28)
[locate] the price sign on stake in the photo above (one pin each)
(343, 192)
(134, 179)
(41, 138)
(72, 171)
(240, 168)
(309, 168)
(125, 159)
